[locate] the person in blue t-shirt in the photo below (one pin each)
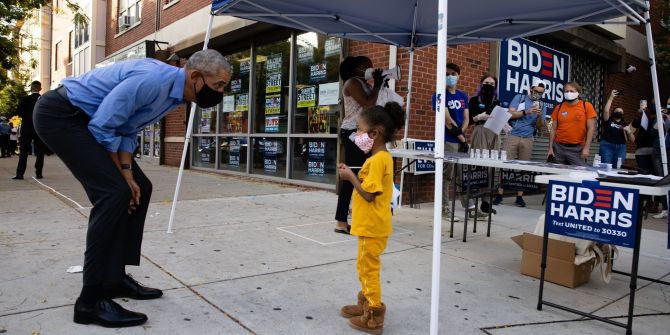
(528, 113)
(456, 122)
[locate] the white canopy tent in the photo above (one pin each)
(414, 24)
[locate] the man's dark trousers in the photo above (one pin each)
(27, 138)
(114, 237)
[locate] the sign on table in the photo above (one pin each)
(592, 212)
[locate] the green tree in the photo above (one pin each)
(13, 14)
(9, 97)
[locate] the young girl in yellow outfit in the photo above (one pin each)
(371, 211)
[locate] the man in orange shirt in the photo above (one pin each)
(572, 128)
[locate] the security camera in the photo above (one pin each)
(630, 68)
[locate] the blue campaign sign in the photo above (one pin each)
(592, 212)
(521, 61)
(423, 166)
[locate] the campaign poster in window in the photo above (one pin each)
(245, 66)
(273, 83)
(270, 151)
(272, 124)
(316, 158)
(242, 103)
(317, 73)
(273, 63)
(272, 104)
(234, 153)
(305, 54)
(332, 47)
(236, 85)
(307, 97)
(317, 118)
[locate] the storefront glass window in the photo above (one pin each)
(317, 84)
(146, 141)
(235, 106)
(315, 159)
(205, 120)
(269, 156)
(157, 140)
(233, 154)
(272, 82)
(204, 151)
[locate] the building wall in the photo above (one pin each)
(61, 64)
(176, 10)
(116, 41)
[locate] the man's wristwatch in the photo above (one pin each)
(126, 167)
(524, 112)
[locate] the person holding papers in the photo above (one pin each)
(481, 105)
(528, 113)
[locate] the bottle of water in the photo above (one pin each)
(596, 160)
(618, 163)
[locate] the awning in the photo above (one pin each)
(396, 21)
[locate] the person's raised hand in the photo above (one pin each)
(378, 78)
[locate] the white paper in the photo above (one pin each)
(644, 121)
(522, 107)
(75, 269)
(498, 119)
(229, 103)
(329, 93)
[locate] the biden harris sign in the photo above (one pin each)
(523, 61)
(592, 212)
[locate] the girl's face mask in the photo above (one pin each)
(364, 142)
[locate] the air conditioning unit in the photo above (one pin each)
(125, 21)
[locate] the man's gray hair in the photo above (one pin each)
(209, 62)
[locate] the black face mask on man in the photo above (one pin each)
(207, 97)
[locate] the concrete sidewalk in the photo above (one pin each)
(255, 257)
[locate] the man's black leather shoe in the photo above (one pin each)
(105, 312)
(18, 178)
(130, 288)
(39, 176)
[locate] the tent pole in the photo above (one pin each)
(187, 137)
(654, 80)
(407, 111)
(440, 90)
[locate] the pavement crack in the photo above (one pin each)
(199, 295)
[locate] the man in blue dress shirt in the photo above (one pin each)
(91, 122)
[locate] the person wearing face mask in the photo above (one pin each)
(456, 123)
(528, 113)
(91, 122)
(615, 134)
(480, 106)
(572, 128)
(358, 95)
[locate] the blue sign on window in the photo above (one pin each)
(592, 212)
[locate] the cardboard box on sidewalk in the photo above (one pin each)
(561, 268)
